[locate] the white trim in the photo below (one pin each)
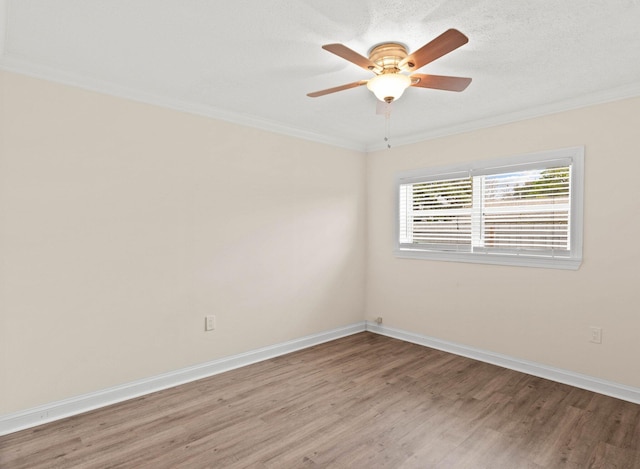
(10, 64)
(14, 422)
(608, 388)
(50, 74)
(561, 263)
(569, 261)
(631, 90)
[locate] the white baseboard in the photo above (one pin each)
(619, 391)
(14, 422)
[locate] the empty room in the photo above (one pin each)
(290, 234)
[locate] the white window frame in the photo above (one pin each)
(572, 259)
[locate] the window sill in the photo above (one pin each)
(521, 260)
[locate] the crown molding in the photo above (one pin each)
(21, 67)
(10, 64)
(631, 90)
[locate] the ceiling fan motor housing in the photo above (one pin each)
(388, 55)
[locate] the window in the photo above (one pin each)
(523, 210)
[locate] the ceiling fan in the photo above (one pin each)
(389, 61)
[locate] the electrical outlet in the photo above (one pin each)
(209, 322)
(379, 320)
(596, 335)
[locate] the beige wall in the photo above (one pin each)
(123, 224)
(541, 315)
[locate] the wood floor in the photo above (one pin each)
(365, 401)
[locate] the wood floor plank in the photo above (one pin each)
(364, 401)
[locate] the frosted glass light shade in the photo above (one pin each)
(389, 86)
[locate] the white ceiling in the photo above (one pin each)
(253, 61)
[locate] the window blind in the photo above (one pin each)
(437, 213)
(518, 211)
(527, 210)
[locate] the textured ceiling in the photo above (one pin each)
(253, 61)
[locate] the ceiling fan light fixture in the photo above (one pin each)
(389, 86)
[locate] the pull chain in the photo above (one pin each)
(387, 128)
(384, 108)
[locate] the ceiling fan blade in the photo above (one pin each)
(448, 41)
(439, 82)
(352, 56)
(355, 84)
